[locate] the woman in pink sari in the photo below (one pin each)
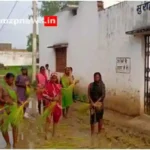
(53, 93)
(41, 79)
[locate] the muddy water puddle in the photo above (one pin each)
(74, 132)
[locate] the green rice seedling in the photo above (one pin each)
(82, 98)
(42, 119)
(13, 115)
(17, 114)
(5, 117)
(5, 122)
(48, 110)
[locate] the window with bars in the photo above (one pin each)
(147, 76)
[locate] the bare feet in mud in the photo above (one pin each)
(14, 145)
(8, 146)
(65, 116)
(46, 137)
(102, 129)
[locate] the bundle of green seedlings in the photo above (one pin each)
(47, 112)
(83, 108)
(4, 116)
(13, 114)
(82, 98)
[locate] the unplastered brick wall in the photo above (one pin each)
(15, 57)
(5, 46)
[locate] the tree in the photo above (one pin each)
(73, 2)
(29, 42)
(52, 7)
(49, 8)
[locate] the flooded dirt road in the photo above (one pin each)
(74, 132)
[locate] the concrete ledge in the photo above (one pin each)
(138, 124)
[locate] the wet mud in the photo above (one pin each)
(74, 132)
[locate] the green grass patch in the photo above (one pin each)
(16, 70)
(80, 97)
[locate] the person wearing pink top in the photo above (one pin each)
(41, 79)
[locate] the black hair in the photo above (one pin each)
(47, 65)
(9, 75)
(42, 67)
(67, 68)
(97, 73)
(24, 68)
(71, 68)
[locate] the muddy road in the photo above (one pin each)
(74, 132)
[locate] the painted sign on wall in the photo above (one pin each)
(123, 65)
(145, 7)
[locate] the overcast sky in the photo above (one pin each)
(17, 35)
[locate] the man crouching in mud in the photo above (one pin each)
(96, 94)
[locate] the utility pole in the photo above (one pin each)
(34, 50)
(34, 40)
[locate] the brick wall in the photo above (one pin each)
(5, 46)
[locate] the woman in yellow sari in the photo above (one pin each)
(67, 91)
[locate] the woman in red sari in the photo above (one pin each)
(53, 93)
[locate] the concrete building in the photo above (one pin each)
(114, 41)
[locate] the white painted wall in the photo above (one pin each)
(95, 40)
(14, 58)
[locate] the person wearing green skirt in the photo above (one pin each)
(67, 91)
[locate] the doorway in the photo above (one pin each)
(61, 59)
(147, 76)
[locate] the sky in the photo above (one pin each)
(17, 34)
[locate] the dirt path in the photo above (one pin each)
(74, 132)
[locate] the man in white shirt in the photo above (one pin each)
(47, 71)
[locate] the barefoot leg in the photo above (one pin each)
(47, 124)
(5, 135)
(15, 136)
(54, 129)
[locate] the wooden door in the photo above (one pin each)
(61, 59)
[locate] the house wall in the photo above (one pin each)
(95, 40)
(15, 58)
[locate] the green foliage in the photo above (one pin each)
(16, 70)
(8, 118)
(49, 8)
(84, 108)
(82, 98)
(15, 116)
(47, 112)
(30, 43)
(34, 84)
(52, 7)
(5, 125)
(73, 2)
